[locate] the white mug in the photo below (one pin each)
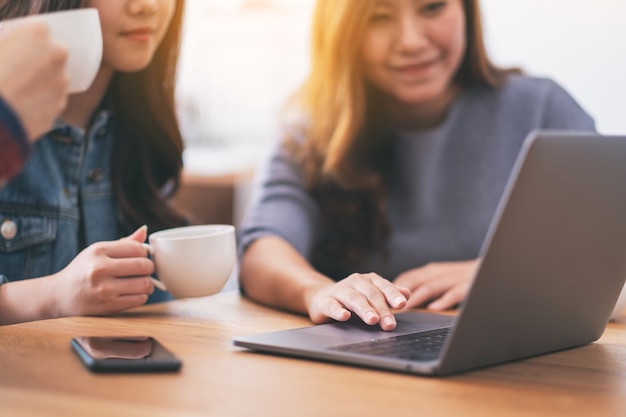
(193, 261)
(79, 31)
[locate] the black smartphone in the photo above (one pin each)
(124, 354)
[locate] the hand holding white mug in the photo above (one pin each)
(104, 278)
(44, 57)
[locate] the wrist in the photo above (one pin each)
(51, 305)
(311, 290)
(25, 300)
(13, 122)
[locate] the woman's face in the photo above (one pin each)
(132, 31)
(413, 48)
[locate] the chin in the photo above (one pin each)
(419, 95)
(416, 99)
(133, 68)
(133, 65)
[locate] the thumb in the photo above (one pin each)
(139, 235)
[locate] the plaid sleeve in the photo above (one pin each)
(14, 145)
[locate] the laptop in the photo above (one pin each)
(552, 266)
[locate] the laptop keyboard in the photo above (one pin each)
(420, 346)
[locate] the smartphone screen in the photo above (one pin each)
(124, 354)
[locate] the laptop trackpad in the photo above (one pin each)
(354, 330)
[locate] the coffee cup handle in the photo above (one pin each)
(156, 282)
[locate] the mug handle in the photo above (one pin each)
(156, 282)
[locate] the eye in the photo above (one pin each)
(381, 13)
(381, 17)
(434, 7)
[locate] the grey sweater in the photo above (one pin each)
(448, 180)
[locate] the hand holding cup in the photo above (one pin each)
(77, 30)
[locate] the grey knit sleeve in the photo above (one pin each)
(280, 206)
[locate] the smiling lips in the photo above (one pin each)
(142, 34)
(413, 70)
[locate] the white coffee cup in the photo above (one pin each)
(620, 306)
(194, 261)
(79, 31)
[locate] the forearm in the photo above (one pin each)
(26, 300)
(274, 273)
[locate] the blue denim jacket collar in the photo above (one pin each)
(63, 131)
(61, 201)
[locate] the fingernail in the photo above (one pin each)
(342, 315)
(398, 301)
(388, 321)
(370, 316)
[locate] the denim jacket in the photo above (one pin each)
(61, 202)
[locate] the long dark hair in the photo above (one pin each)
(147, 149)
(343, 157)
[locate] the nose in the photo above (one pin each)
(411, 36)
(140, 7)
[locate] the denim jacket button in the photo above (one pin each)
(8, 230)
(95, 175)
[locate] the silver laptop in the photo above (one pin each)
(553, 264)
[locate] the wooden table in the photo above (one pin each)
(40, 375)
